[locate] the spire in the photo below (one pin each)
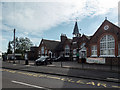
(76, 30)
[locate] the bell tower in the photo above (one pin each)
(76, 30)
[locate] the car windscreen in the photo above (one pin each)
(41, 59)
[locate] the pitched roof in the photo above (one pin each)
(88, 37)
(61, 45)
(76, 30)
(106, 21)
(50, 44)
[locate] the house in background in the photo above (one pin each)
(47, 48)
(33, 53)
(63, 48)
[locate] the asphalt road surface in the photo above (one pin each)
(22, 79)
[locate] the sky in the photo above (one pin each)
(48, 19)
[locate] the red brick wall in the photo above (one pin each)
(112, 61)
(113, 30)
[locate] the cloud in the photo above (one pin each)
(33, 18)
(40, 16)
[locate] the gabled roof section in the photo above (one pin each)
(112, 29)
(76, 30)
(61, 45)
(50, 44)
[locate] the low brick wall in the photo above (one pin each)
(112, 61)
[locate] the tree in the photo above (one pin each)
(21, 45)
(9, 50)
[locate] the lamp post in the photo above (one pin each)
(14, 47)
(77, 52)
(61, 58)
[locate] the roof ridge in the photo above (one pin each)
(51, 40)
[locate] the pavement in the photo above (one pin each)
(94, 74)
(75, 65)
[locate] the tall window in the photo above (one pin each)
(42, 50)
(46, 52)
(83, 48)
(67, 51)
(82, 52)
(118, 49)
(74, 52)
(107, 46)
(94, 50)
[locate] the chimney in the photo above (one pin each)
(63, 37)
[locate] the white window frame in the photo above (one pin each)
(42, 50)
(105, 42)
(74, 52)
(74, 42)
(82, 49)
(46, 52)
(67, 51)
(94, 49)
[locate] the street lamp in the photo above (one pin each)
(77, 52)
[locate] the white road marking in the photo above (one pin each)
(27, 84)
(51, 65)
(14, 64)
(67, 66)
(115, 79)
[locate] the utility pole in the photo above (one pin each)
(14, 47)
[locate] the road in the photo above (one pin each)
(24, 79)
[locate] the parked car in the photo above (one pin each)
(43, 60)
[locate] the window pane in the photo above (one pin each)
(94, 50)
(42, 50)
(67, 50)
(107, 45)
(74, 51)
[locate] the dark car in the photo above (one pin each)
(43, 60)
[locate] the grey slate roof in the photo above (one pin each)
(50, 44)
(61, 44)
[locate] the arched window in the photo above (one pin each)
(82, 47)
(82, 51)
(107, 46)
(67, 51)
(42, 50)
(74, 52)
